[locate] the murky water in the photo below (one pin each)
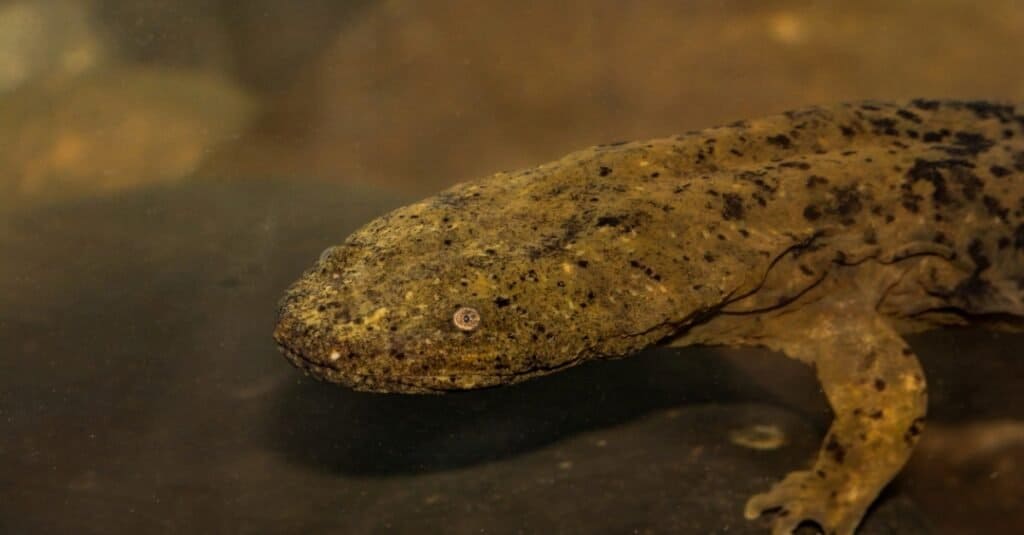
(167, 173)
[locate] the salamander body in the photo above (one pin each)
(823, 233)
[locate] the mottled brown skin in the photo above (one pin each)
(822, 233)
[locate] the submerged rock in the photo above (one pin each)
(113, 130)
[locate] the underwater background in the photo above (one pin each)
(167, 168)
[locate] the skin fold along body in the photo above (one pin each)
(824, 233)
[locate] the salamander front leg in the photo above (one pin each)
(876, 388)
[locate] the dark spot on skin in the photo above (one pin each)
(877, 415)
(879, 384)
(998, 171)
(909, 115)
(708, 257)
(976, 250)
(604, 171)
(969, 143)
(815, 180)
(1003, 242)
(806, 270)
(780, 141)
(994, 208)
(502, 302)
(906, 352)
(914, 431)
(812, 213)
(803, 166)
(447, 242)
(932, 137)
(927, 105)
(836, 449)
(1018, 237)
(847, 203)
(732, 208)
(936, 173)
(607, 221)
(847, 131)
(885, 126)
(986, 110)
(582, 263)
(655, 174)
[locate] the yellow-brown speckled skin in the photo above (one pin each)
(822, 233)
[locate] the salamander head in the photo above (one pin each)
(469, 289)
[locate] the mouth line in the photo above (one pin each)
(411, 383)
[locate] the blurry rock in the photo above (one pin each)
(419, 95)
(113, 130)
(263, 43)
(272, 41)
(48, 40)
(188, 34)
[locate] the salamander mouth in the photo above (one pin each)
(395, 383)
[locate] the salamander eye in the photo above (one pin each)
(466, 318)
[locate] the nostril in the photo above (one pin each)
(338, 313)
(326, 254)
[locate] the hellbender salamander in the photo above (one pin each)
(823, 233)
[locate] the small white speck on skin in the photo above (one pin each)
(601, 443)
(335, 355)
(910, 382)
(565, 465)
